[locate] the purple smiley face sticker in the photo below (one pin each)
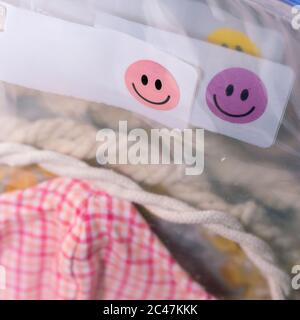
(237, 95)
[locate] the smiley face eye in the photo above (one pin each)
(224, 45)
(158, 84)
(239, 48)
(245, 95)
(229, 90)
(144, 80)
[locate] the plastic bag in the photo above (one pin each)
(231, 67)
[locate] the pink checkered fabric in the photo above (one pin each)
(64, 239)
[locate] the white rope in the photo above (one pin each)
(164, 207)
(76, 139)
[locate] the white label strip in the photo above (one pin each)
(2, 18)
(268, 84)
(198, 20)
(60, 57)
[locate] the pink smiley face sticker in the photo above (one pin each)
(152, 85)
(237, 95)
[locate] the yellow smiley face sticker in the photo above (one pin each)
(235, 40)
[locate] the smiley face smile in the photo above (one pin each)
(230, 114)
(152, 85)
(237, 95)
(149, 101)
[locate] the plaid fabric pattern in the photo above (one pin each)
(65, 240)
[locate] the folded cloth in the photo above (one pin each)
(64, 239)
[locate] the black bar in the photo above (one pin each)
(89, 310)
